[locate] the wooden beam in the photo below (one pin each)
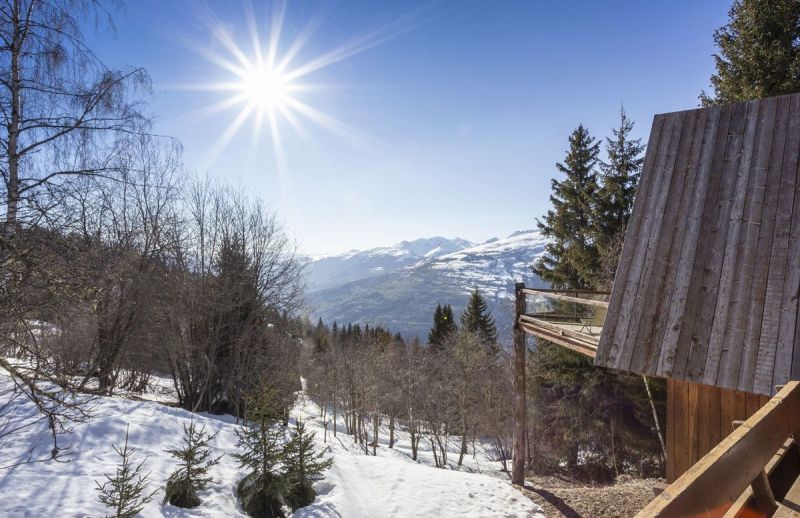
(763, 498)
(566, 291)
(564, 341)
(520, 399)
(742, 506)
(558, 329)
(568, 298)
(710, 487)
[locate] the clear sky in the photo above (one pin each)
(455, 112)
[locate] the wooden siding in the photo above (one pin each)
(699, 417)
(707, 285)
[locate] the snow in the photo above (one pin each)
(357, 485)
(391, 484)
(494, 265)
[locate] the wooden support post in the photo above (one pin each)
(520, 400)
(763, 498)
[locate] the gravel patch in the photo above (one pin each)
(563, 498)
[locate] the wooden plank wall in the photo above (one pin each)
(699, 417)
(707, 285)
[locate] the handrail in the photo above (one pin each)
(557, 295)
(568, 290)
(715, 482)
(592, 340)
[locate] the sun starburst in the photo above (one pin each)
(267, 77)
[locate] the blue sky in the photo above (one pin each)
(460, 115)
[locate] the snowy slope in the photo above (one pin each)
(393, 485)
(334, 270)
(404, 300)
(356, 486)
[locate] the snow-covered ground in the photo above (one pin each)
(356, 486)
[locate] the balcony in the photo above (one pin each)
(570, 318)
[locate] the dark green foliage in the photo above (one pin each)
(303, 467)
(572, 257)
(595, 422)
(260, 495)
(477, 319)
(126, 492)
(443, 325)
(759, 52)
(261, 443)
(280, 472)
(620, 175)
(191, 475)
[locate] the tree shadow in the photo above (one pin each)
(560, 505)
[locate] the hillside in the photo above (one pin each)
(403, 299)
(356, 485)
(329, 271)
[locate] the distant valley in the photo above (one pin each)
(399, 286)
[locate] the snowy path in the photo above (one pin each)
(356, 486)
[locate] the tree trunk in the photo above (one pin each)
(391, 431)
(12, 194)
(375, 422)
(520, 402)
(334, 396)
(435, 456)
(655, 417)
(463, 447)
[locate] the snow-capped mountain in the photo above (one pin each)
(403, 295)
(334, 270)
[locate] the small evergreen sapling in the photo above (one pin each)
(262, 445)
(303, 467)
(191, 475)
(126, 492)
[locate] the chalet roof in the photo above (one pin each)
(707, 285)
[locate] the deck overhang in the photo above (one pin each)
(569, 318)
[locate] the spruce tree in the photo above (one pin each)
(126, 492)
(191, 475)
(477, 319)
(759, 52)
(444, 325)
(572, 258)
(304, 466)
(261, 442)
(620, 176)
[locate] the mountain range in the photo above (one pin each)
(399, 286)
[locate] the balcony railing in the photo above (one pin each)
(570, 318)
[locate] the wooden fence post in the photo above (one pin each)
(520, 400)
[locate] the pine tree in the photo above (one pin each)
(261, 442)
(572, 258)
(303, 466)
(191, 475)
(759, 52)
(477, 319)
(620, 176)
(126, 492)
(444, 325)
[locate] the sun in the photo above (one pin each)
(265, 88)
(265, 81)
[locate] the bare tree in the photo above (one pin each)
(65, 117)
(236, 277)
(64, 112)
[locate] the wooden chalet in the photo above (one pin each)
(706, 296)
